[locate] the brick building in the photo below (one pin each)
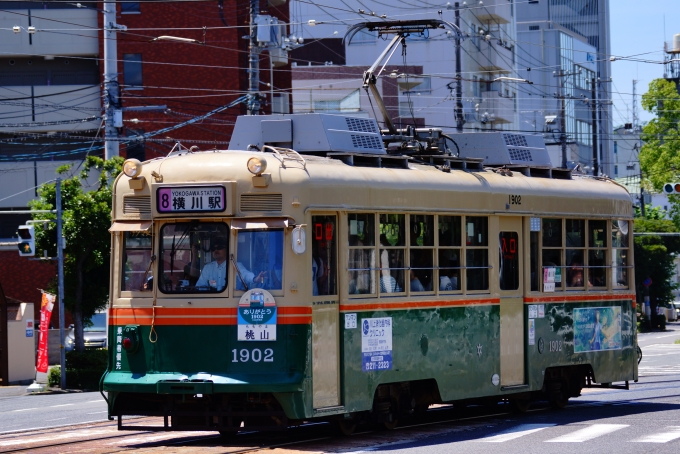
(50, 84)
(189, 78)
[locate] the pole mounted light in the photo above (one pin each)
(176, 39)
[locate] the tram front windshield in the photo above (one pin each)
(194, 257)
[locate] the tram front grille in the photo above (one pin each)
(140, 205)
(261, 202)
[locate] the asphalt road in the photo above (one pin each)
(645, 418)
(27, 412)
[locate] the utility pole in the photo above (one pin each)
(593, 107)
(113, 116)
(253, 61)
(60, 277)
(563, 116)
(635, 114)
(460, 120)
(563, 132)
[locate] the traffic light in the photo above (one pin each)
(26, 240)
(671, 188)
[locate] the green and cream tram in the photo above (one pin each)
(266, 286)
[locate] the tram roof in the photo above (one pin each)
(326, 182)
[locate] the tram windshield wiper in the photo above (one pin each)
(238, 272)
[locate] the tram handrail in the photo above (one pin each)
(428, 268)
(284, 156)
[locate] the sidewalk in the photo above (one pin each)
(13, 391)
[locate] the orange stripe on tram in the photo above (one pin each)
(579, 298)
(419, 304)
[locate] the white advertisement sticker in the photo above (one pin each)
(376, 344)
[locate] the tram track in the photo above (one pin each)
(303, 434)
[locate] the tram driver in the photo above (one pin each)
(214, 274)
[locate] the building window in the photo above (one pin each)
(132, 70)
(616, 147)
(533, 28)
(616, 170)
(129, 7)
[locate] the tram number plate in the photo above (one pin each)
(514, 199)
(555, 346)
(255, 355)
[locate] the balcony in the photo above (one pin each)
(501, 110)
(495, 57)
(49, 39)
(498, 13)
(41, 103)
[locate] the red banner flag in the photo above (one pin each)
(45, 314)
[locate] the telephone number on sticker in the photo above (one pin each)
(255, 355)
(378, 365)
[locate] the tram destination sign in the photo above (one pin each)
(191, 199)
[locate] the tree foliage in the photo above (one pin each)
(660, 154)
(86, 220)
(654, 257)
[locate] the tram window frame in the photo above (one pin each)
(146, 253)
(450, 250)
(324, 255)
(447, 244)
(421, 253)
(580, 254)
(476, 232)
(620, 244)
(392, 253)
(508, 252)
(199, 250)
(253, 268)
(361, 232)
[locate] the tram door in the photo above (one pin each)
(325, 313)
(512, 301)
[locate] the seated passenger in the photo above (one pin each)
(388, 284)
(214, 273)
(416, 285)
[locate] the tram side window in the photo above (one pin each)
(324, 250)
(136, 275)
(477, 253)
(449, 253)
(509, 261)
(259, 258)
(620, 254)
(597, 253)
(392, 248)
(535, 227)
(421, 252)
(575, 253)
(193, 257)
(361, 264)
(551, 238)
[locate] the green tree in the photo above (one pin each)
(654, 258)
(660, 153)
(86, 220)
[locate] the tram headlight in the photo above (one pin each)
(257, 165)
(132, 168)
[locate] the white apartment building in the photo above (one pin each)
(420, 87)
(49, 84)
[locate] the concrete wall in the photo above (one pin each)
(21, 354)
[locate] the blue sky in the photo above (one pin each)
(637, 27)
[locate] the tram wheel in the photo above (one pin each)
(520, 405)
(559, 403)
(391, 425)
(346, 427)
